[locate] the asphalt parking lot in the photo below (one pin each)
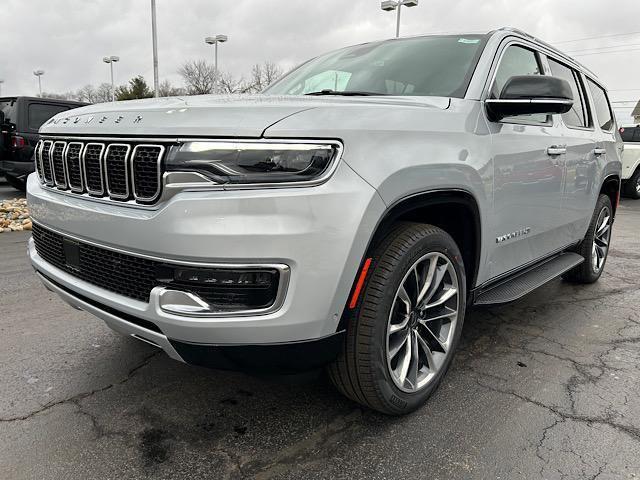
(547, 387)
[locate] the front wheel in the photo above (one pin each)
(632, 186)
(595, 245)
(403, 333)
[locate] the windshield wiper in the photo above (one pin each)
(344, 93)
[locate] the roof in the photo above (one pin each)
(46, 99)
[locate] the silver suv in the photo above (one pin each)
(345, 218)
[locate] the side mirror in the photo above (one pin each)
(531, 94)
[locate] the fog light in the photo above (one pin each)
(223, 289)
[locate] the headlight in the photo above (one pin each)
(255, 163)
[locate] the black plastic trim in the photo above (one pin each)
(275, 358)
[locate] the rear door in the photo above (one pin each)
(582, 169)
(528, 156)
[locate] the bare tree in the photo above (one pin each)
(167, 90)
(199, 77)
(263, 75)
(59, 96)
(91, 94)
(230, 84)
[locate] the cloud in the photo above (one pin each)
(68, 38)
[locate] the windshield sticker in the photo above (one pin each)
(468, 40)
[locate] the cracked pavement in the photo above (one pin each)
(546, 387)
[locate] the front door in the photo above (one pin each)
(529, 154)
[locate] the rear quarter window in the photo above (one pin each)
(40, 113)
(601, 106)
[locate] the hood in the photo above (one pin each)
(209, 115)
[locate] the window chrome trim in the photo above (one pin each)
(66, 166)
(62, 185)
(84, 168)
(283, 269)
(117, 196)
(158, 172)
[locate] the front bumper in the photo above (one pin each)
(320, 233)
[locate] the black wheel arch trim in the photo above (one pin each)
(415, 201)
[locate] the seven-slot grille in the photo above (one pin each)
(119, 171)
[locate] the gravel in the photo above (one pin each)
(14, 215)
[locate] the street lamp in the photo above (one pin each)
(390, 5)
(111, 60)
(215, 41)
(154, 38)
(39, 73)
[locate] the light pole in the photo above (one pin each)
(111, 60)
(215, 40)
(39, 73)
(390, 5)
(154, 35)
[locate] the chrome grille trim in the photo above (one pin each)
(140, 198)
(37, 158)
(100, 192)
(47, 146)
(112, 195)
(80, 152)
(74, 188)
(55, 165)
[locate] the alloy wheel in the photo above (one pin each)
(601, 238)
(422, 322)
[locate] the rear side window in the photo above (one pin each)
(631, 134)
(578, 116)
(8, 108)
(40, 113)
(517, 61)
(601, 105)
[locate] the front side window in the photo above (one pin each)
(601, 105)
(578, 115)
(40, 113)
(439, 65)
(517, 61)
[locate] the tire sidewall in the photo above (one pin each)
(397, 400)
(603, 201)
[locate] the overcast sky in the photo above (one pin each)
(68, 38)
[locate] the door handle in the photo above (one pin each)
(553, 151)
(599, 151)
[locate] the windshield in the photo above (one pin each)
(429, 66)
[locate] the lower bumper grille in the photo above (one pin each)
(225, 289)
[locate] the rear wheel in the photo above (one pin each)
(595, 246)
(402, 335)
(632, 186)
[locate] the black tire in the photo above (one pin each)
(361, 371)
(16, 183)
(632, 186)
(586, 272)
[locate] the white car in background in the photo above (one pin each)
(631, 161)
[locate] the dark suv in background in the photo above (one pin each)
(20, 119)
